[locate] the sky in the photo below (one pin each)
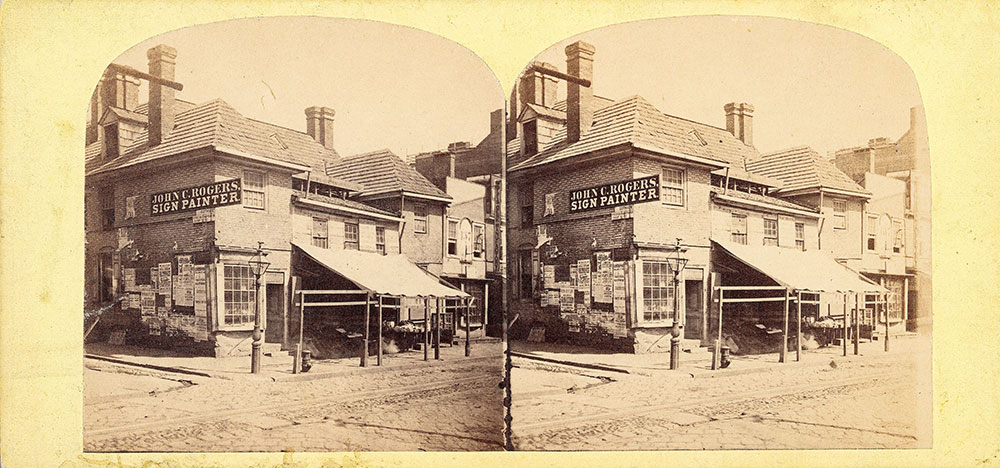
(391, 86)
(810, 85)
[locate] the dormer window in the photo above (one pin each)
(111, 141)
(529, 134)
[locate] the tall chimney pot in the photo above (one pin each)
(579, 99)
(319, 125)
(739, 121)
(162, 60)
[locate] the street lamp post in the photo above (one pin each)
(258, 267)
(677, 264)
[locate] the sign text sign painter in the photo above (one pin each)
(627, 192)
(222, 193)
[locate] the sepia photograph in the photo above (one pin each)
(291, 242)
(719, 239)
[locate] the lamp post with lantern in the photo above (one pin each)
(258, 266)
(677, 264)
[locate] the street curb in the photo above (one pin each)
(572, 363)
(375, 369)
(174, 370)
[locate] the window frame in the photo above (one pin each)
(681, 186)
(451, 237)
(380, 239)
(318, 239)
(800, 236)
(354, 244)
(106, 203)
(899, 238)
(526, 196)
(839, 216)
(768, 219)
(248, 189)
(420, 218)
(871, 233)
(244, 320)
(478, 240)
(664, 289)
(738, 237)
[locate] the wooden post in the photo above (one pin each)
(885, 308)
(367, 331)
(437, 328)
(378, 361)
(427, 333)
(844, 340)
(906, 302)
(857, 322)
(798, 327)
(468, 327)
(718, 340)
(784, 332)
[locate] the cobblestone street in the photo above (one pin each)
(455, 406)
(875, 401)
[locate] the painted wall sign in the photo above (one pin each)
(628, 192)
(222, 193)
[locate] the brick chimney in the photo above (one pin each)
(739, 121)
(113, 90)
(536, 88)
(162, 60)
(319, 125)
(579, 99)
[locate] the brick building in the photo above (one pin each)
(907, 160)
(603, 193)
(179, 196)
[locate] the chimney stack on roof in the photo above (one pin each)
(115, 89)
(739, 121)
(579, 99)
(319, 125)
(162, 60)
(536, 88)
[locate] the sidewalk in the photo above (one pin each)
(278, 366)
(699, 361)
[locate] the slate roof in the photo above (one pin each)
(635, 121)
(803, 168)
(382, 172)
(780, 202)
(216, 124)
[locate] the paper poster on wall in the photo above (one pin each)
(572, 275)
(124, 302)
(200, 292)
(134, 300)
(566, 299)
(583, 279)
(154, 278)
(184, 288)
(603, 261)
(603, 287)
(164, 283)
(553, 297)
(550, 204)
(200, 332)
(130, 280)
(549, 275)
(618, 274)
(147, 300)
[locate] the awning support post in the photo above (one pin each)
(885, 308)
(784, 332)
(367, 330)
(437, 329)
(378, 360)
(857, 322)
(846, 295)
(716, 356)
(798, 327)
(427, 333)
(468, 327)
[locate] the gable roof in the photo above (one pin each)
(802, 168)
(382, 172)
(215, 124)
(754, 199)
(635, 121)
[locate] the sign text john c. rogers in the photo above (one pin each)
(222, 193)
(627, 192)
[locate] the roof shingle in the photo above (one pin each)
(383, 172)
(803, 168)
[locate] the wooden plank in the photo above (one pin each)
(846, 319)
(335, 304)
(798, 329)
(468, 349)
(751, 288)
(367, 332)
(784, 332)
(754, 299)
(334, 291)
(378, 361)
(427, 334)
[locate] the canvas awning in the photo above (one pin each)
(392, 274)
(812, 270)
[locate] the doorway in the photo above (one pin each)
(274, 330)
(693, 310)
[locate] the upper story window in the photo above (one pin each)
(770, 230)
(672, 186)
(420, 218)
(321, 233)
(871, 233)
(106, 197)
(840, 214)
(800, 236)
(380, 239)
(527, 199)
(739, 228)
(524, 273)
(452, 237)
(530, 139)
(111, 141)
(351, 239)
(254, 184)
(479, 240)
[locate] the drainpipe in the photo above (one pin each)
(725, 185)
(822, 222)
(402, 224)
